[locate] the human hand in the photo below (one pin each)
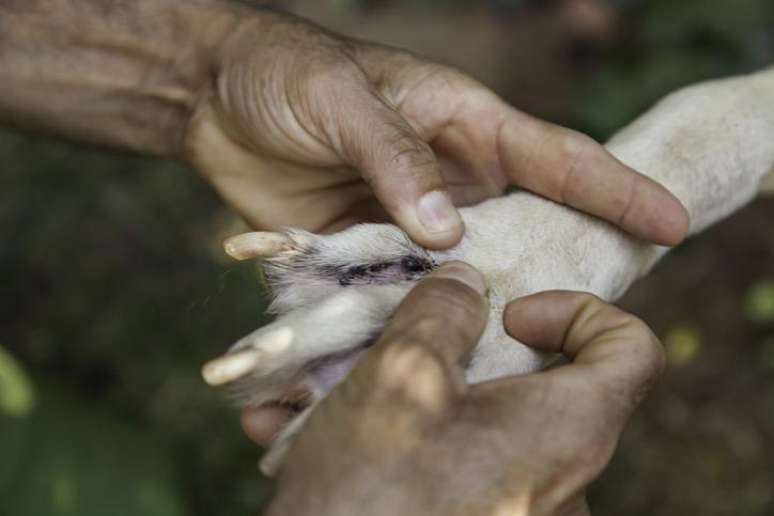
(404, 434)
(304, 128)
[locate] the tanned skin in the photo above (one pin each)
(124, 74)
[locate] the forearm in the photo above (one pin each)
(121, 73)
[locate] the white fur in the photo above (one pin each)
(309, 332)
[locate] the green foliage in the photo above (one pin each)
(683, 344)
(759, 305)
(70, 458)
(17, 396)
(675, 43)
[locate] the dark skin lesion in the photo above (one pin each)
(409, 268)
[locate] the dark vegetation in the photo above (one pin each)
(113, 290)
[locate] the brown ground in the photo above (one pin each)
(703, 443)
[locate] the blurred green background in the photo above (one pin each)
(113, 290)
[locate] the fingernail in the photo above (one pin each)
(464, 273)
(437, 213)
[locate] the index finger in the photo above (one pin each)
(617, 352)
(571, 168)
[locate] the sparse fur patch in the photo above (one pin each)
(318, 266)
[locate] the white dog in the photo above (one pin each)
(711, 145)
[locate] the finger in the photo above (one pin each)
(616, 353)
(402, 171)
(571, 168)
(261, 424)
(433, 330)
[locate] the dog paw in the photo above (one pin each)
(331, 294)
(299, 357)
(302, 268)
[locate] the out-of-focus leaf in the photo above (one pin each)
(676, 44)
(71, 459)
(683, 344)
(17, 395)
(759, 302)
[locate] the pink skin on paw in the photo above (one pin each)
(261, 424)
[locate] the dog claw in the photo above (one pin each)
(258, 244)
(230, 367)
(247, 357)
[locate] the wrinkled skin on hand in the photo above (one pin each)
(404, 434)
(307, 129)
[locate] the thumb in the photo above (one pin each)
(402, 171)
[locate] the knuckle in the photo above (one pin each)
(591, 308)
(633, 329)
(651, 359)
(327, 62)
(646, 363)
(636, 329)
(447, 82)
(404, 365)
(459, 82)
(458, 313)
(597, 317)
(413, 373)
(407, 359)
(572, 149)
(572, 144)
(452, 298)
(615, 318)
(656, 355)
(595, 455)
(408, 152)
(430, 328)
(438, 76)
(587, 299)
(465, 92)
